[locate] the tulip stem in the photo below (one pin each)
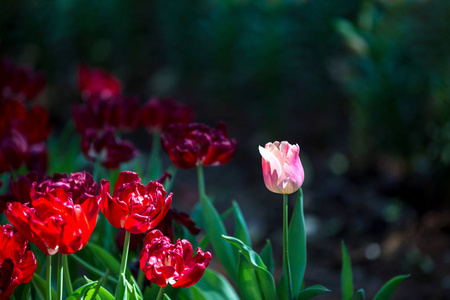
(287, 267)
(67, 275)
(60, 281)
(49, 277)
(201, 181)
(161, 293)
(123, 264)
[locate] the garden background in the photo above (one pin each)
(362, 87)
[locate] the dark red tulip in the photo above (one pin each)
(96, 82)
(157, 115)
(132, 205)
(165, 263)
(105, 146)
(17, 264)
(189, 145)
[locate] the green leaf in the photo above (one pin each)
(360, 295)
(214, 230)
(282, 288)
(41, 287)
(108, 260)
(214, 286)
(267, 256)
(385, 293)
(166, 297)
(241, 231)
(81, 291)
(247, 281)
(105, 294)
(346, 275)
(265, 279)
(135, 285)
(312, 292)
(26, 292)
(194, 293)
(297, 245)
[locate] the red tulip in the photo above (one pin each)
(189, 145)
(17, 264)
(105, 146)
(158, 115)
(164, 262)
(96, 82)
(133, 206)
(62, 217)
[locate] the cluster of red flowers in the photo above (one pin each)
(106, 112)
(23, 131)
(59, 213)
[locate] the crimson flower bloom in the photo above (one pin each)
(19, 83)
(103, 145)
(17, 264)
(62, 217)
(134, 206)
(96, 82)
(115, 111)
(164, 262)
(189, 145)
(157, 115)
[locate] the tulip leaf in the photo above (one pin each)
(26, 292)
(247, 281)
(265, 279)
(215, 286)
(360, 295)
(79, 293)
(194, 293)
(41, 287)
(214, 230)
(267, 256)
(385, 293)
(312, 292)
(282, 288)
(297, 245)
(346, 275)
(166, 297)
(108, 260)
(136, 288)
(241, 231)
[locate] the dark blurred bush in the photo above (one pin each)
(368, 78)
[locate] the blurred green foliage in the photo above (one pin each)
(372, 75)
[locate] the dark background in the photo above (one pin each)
(361, 86)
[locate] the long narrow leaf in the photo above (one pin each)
(108, 260)
(312, 292)
(214, 230)
(41, 286)
(241, 231)
(346, 275)
(215, 286)
(297, 245)
(265, 278)
(385, 293)
(248, 284)
(267, 256)
(360, 295)
(282, 288)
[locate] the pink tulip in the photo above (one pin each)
(282, 169)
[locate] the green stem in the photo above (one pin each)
(123, 264)
(60, 281)
(161, 293)
(155, 165)
(67, 276)
(49, 277)
(287, 267)
(201, 181)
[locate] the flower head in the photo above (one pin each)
(62, 217)
(96, 82)
(189, 145)
(282, 169)
(160, 114)
(166, 263)
(132, 205)
(17, 264)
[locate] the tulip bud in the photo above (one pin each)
(282, 169)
